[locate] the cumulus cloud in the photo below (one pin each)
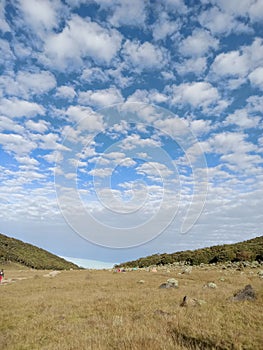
(196, 66)
(143, 56)
(40, 15)
(256, 77)
(197, 94)
(85, 118)
(127, 13)
(17, 144)
(100, 98)
(239, 63)
(4, 26)
(231, 64)
(66, 92)
(242, 119)
(80, 39)
(16, 108)
(164, 27)
(220, 22)
(40, 126)
(198, 44)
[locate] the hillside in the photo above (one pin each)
(243, 251)
(15, 251)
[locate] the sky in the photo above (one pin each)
(129, 128)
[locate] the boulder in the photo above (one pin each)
(210, 285)
(170, 283)
(187, 270)
(191, 302)
(247, 293)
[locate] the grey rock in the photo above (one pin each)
(171, 283)
(247, 293)
(210, 285)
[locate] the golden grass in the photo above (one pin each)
(104, 310)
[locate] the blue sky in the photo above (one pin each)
(129, 128)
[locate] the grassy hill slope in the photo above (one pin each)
(16, 251)
(243, 251)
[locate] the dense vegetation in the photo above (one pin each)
(244, 251)
(14, 250)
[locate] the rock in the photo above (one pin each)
(187, 270)
(162, 313)
(141, 282)
(210, 285)
(191, 302)
(247, 293)
(171, 283)
(52, 274)
(260, 273)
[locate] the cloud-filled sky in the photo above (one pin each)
(129, 128)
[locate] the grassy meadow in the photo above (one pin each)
(88, 309)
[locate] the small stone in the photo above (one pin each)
(211, 285)
(260, 274)
(141, 282)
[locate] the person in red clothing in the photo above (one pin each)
(1, 275)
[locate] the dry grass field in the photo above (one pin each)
(100, 310)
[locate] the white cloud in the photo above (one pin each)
(256, 78)
(251, 8)
(24, 84)
(36, 83)
(175, 6)
(6, 55)
(147, 96)
(164, 27)
(66, 92)
(198, 94)
(20, 108)
(241, 119)
(192, 65)
(94, 74)
(128, 12)
(239, 64)
(200, 126)
(231, 64)
(144, 56)
(154, 170)
(219, 22)
(17, 144)
(40, 126)
(135, 141)
(7, 124)
(81, 38)
(85, 117)
(256, 11)
(226, 143)
(174, 127)
(100, 98)
(40, 15)
(198, 44)
(26, 160)
(4, 26)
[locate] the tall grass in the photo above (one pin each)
(105, 310)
